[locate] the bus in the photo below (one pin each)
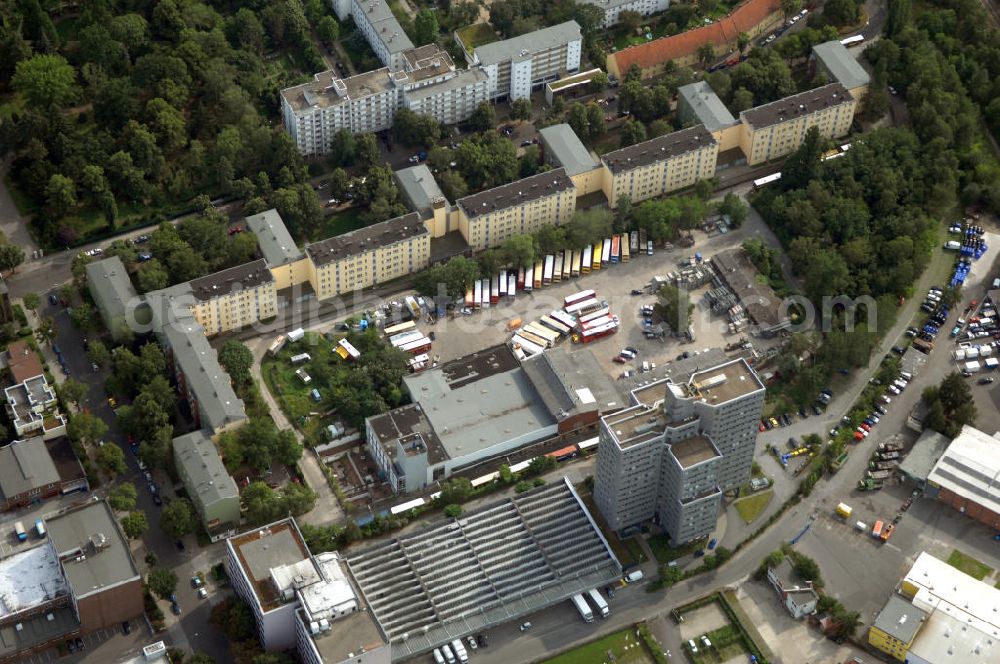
(525, 333)
(596, 262)
(625, 249)
(557, 266)
(484, 299)
(539, 272)
(585, 260)
(407, 506)
(22, 534)
(347, 350)
(616, 248)
(40, 528)
(495, 289)
(766, 180)
(600, 321)
(877, 529)
(529, 278)
(555, 325)
(540, 330)
(398, 340)
(470, 299)
(564, 453)
(606, 251)
(550, 261)
(277, 345)
(417, 347)
(634, 241)
(393, 330)
(589, 443)
(568, 265)
(574, 268)
(578, 297)
(511, 285)
(520, 278)
(503, 283)
(583, 307)
(852, 41)
(564, 318)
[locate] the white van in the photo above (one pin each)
(633, 576)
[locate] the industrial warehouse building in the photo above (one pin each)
(493, 565)
(408, 595)
(483, 406)
(965, 476)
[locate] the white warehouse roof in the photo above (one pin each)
(970, 468)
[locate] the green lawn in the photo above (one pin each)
(727, 644)
(339, 223)
(969, 565)
(751, 507)
(288, 388)
(665, 553)
(476, 34)
(626, 647)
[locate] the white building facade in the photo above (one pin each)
(612, 9)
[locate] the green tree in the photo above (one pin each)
(588, 226)
(86, 428)
(111, 458)
(237, 360)
(578, 121)
(178, 518)
(328, 31)
(162, 582)
(706, 54)
(98, 353)
(262, 503)
(453, 185)
(123, 497)
(425, 26)
(671, 574)
(135, 524)
(484, 118)
(598, 82)
(47, 81)
(632, 133)
(674, 308)
(411, 128)
(630, 20)
(519, 251)
(520, 109)
(801, 166)
(72, 390)
(32, 301)
(60, 194)
(297, 499)
(742, 41)
(841, 12)
(11, 256)
(790, 8)
(742, 100)
(899, 16)
(734, 206)
(366, 149)
(453, 511)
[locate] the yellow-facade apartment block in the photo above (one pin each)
(234, 298)
(776, 129)
(369, 256)
(489, 218)
(660, 165)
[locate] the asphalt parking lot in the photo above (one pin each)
(461, 335)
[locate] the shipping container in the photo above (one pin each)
(585, 260)
(606, 251)
(470, 299)
(296, 335)
(578, 297)
(555, 325)
(564, 318)
(300, 358)
(877, 529)
(477, 293)
(528, 347)
(595, 262)
(485, 301)
(583, 307)
(412, 305)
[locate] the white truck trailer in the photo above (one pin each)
(599, 602)
(583, 608)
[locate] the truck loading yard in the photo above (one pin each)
(461, 335)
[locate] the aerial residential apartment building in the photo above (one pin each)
(377, 23)
(612, 9)
(113, 293)
(35, 469)
(777, 129)
(234, 298)
(515, 66)
(672, 455)
(660, 165)
(369, 256)
(301, 601)
(490, 217)
(697, 104)
(425, 81)
(30, 401)
(209, 486)
(833, 59)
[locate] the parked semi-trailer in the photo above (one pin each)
(583, 608)
(599, 602)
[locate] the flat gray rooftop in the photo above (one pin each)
(348, 636)
(572, 383)
(648, 388)
(91, 531)
(900, 619)
(36, 630)
(110, 285)
(275, 242)
(706, 106)
(261, 550)
(490, 566)
(836, 59)
(225, 282)
(419, 188)
(693, 450)
(210, 482)
(804, 103)
(926, 452)
(533, 42)
(408, 424)
(564, 147)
